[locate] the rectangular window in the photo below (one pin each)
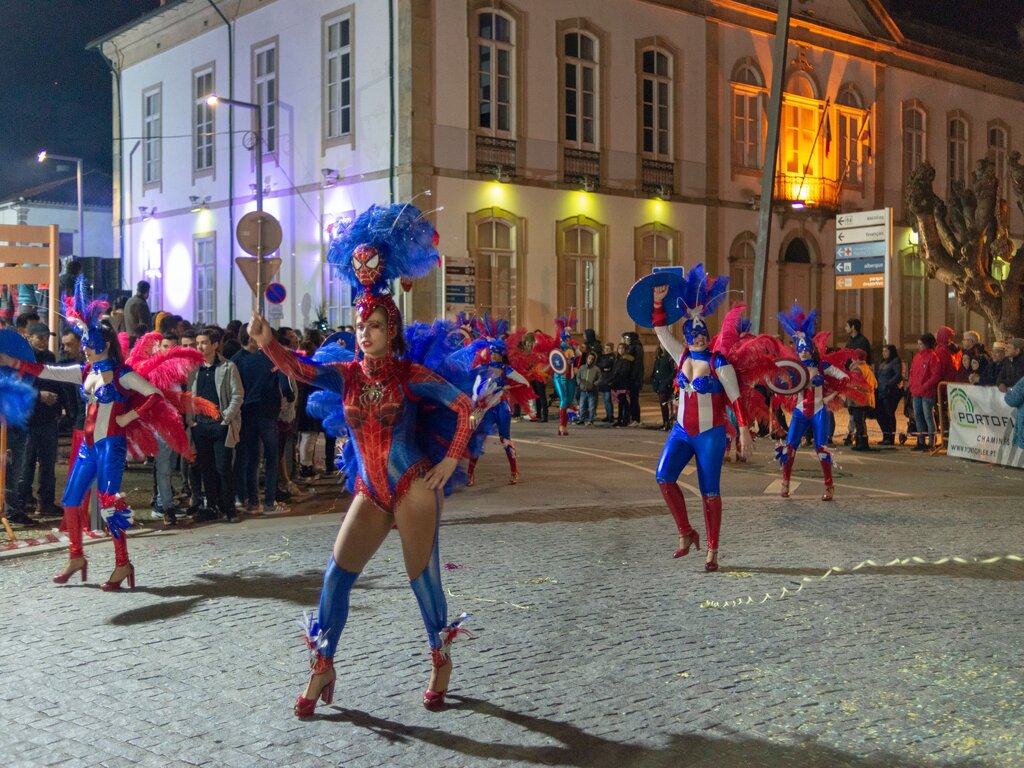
(265, 93)
(746, 130)
(154, 273)
(205, 275)
(580, 71)
(338, 78)
(496, 271)
(338, 301)
(151, 129)
(202, 121)
(495, 85)
(957, 151)
(656, 90)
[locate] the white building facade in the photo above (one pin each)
(573, 145)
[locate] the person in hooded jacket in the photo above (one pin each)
(889, 374)
(662, 379)
(925, 375)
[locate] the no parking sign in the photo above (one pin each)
(275, 293)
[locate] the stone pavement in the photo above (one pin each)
(593, 647)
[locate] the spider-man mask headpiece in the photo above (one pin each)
(366, 263)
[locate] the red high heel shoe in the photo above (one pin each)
(114, 586)
(63, 576)
(694, 541)
(829, 494)
(434, 700)
(304, 707)
(711, 565)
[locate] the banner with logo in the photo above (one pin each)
(981, 426)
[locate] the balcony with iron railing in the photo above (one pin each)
(582, 166)
(495, 156)
(657, 177)
(811, 192)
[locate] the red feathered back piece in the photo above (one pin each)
(168, 371)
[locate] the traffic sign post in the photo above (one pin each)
(864, 254)
(259, 234)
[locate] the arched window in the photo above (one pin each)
(580, 246)
(747, 95)
(958, 142)
(915, 132)
(851, 117)
(656, 104)
(495, 73)
(998, 149)
(494, 250)
(801, 148)
(741, 266)
(797, 252)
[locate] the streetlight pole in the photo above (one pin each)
(43, 156)
(213, 100)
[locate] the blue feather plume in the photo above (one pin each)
(697, 292)
(404, 238)
(797, 320)
(17, 399)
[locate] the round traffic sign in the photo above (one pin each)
(259, 233)
(275, 293)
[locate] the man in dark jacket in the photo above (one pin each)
(263, 386)
(604, 383)
(855, 340)
(1013, 366)
(136, 311)
(41, 445)
(636, 350)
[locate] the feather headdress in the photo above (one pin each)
(700, 297)
(383, 244)
(799, 324)
(493, 330)
(84, 315)
(565, 325)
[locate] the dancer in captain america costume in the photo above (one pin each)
(408, 427)
(825, 382)
(125, 407)
(564, 355)
(707, 383)
(495, 382)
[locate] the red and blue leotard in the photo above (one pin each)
(381, 397)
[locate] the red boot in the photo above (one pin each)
(74, 518)
(712, 525)
(513, 461)
(826, 470)
(677, 506)
(787, 471)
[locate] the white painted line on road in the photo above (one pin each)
(775, 487)
(597, 455)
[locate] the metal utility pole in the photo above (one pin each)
(771, 152)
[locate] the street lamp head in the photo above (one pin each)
(212, 100)
(41, 157)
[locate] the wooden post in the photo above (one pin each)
(3, 480)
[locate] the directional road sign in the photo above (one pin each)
(860, 235)
(860, 266)
(861, 219)
(861, 251)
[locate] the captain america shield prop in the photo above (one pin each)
(559, 362)
(790, 377)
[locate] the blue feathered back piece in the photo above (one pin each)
(405, 239)
(17, 400)
(696, 292)
(797, 320)
(490, 327)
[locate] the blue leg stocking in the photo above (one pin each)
(430, 596)
(325, 630)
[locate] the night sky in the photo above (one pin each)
(57, 95)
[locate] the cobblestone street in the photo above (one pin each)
(592, 647)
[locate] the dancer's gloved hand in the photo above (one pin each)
(118, 520)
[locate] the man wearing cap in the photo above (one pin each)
(41, 442)
(1013, 366)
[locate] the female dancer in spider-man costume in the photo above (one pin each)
(123, 406)
(707, 383)
(399, 479)
(824, 382)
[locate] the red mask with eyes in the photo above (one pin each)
(366, 263)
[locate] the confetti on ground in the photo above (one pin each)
(538, 580)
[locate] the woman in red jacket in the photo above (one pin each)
(925, 375)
